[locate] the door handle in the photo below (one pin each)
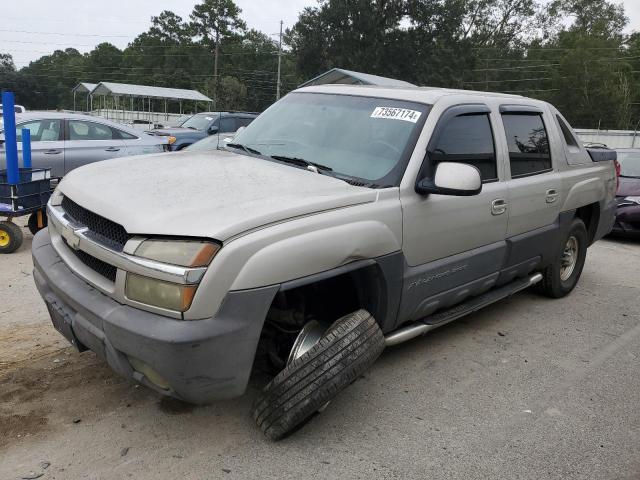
(52, 152)
(552, 195)
(498, 206)
(112, 149)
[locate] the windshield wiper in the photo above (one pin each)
(253, 151)
(301, 162)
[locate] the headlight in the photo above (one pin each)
(149, 291)
(635, 200)
(56, 197)
(184, 253)
(167, 295)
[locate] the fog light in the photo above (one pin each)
(149, 373)
(157, 293)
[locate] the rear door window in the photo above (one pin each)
(227, 124)
(528, 143)
(468, 139)
(123, 135)
(244, 122)
(569, 139)
(81, 130)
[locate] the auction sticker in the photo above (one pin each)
(393, 113)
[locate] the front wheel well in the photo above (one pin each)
(325, 300)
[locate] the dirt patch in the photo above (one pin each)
(45, 384)
(20, 343)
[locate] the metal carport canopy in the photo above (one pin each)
(84, 87)
(127, 90)
(349, 77)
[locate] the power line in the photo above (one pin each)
(66, 34)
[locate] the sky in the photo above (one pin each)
(32, 28)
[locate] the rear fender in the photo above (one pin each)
(585, 192)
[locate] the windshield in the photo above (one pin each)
(363, 137)
(629, 164)
(181, 120)
(200, 121)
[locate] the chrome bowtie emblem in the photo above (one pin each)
(70, 236)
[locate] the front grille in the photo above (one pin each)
(98, 266)
(101, 230)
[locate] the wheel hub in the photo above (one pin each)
(4, 239)
(310, 335)
(569, 258)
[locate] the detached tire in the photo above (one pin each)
(561, 277)
(10, 237)
(33, 222)
(347, 349)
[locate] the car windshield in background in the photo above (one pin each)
(363, 137)
(629, 164)
(199, 122)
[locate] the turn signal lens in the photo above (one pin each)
(177, 252)
(157, 293)
(172, 140)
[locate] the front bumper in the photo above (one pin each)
(201, 360)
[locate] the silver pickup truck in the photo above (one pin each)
(343, 220)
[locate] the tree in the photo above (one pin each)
(104, 64)
(214, 21)
(355, 34)
(169, 27)
(591, 17)
(6, 63)
(232, 94)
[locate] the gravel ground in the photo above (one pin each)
(529, 388)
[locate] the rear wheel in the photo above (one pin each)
(561, 277)
(312, 379)
(10, 237)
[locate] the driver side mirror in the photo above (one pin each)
(213, 129)
(456, 179)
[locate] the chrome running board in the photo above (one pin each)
(436, 320)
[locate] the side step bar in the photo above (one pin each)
(442, 318)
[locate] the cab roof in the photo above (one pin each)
(428, 95)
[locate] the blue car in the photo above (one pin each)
(202, 125)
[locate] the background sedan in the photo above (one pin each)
(64, 141)
(628, 196)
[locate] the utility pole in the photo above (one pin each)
(279, 61)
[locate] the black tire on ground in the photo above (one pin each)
(552, 284)
(346, 351)
(33, 222)
(10, 237)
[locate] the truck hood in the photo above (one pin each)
(204, 194)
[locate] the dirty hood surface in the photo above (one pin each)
(204, 194)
